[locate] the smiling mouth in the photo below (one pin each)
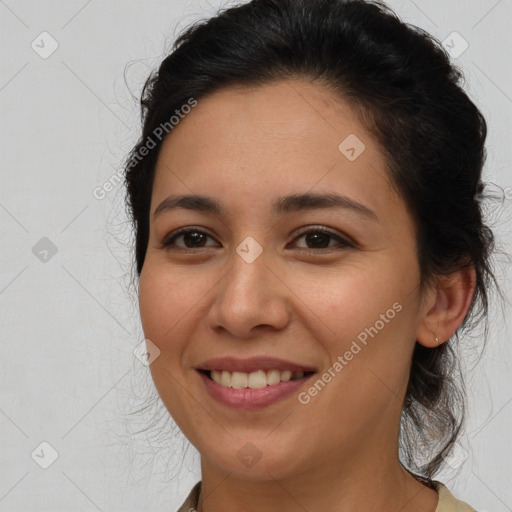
(254, 380)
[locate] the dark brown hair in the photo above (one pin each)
(408, 93)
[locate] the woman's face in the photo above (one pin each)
(299, 250)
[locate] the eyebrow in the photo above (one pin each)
(281, 205)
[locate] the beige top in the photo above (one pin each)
(447, 501)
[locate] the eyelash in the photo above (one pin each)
(168, 244)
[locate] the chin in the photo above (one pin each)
(254, 460)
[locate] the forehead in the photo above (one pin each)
(287, 136)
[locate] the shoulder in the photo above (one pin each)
(190, 504)
(448, 502)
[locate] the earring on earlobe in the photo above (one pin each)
(437, 341)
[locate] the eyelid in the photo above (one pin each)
(343, 240)
(329, 231)
(166, 242)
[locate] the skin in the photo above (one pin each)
(244, 147)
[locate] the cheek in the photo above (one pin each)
(351, 298)
(161, 308)
(368, 318)
(154, 297)
(165, 298)
(172, 302)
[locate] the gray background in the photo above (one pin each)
(69, 320)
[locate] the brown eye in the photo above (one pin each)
(194, 239)
(320, 238)
(191, 239)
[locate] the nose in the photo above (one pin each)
(250, 297)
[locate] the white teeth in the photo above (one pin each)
(225, 379)
(239, 380)
(254, 380)
(286, 375)
(273, 377)
(257, 380)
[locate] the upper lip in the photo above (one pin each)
(252, 364)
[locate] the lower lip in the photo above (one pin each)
(251, 399)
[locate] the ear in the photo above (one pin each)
(445, 306)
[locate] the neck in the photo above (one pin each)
(350, 488)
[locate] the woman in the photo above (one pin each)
(309, 244)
